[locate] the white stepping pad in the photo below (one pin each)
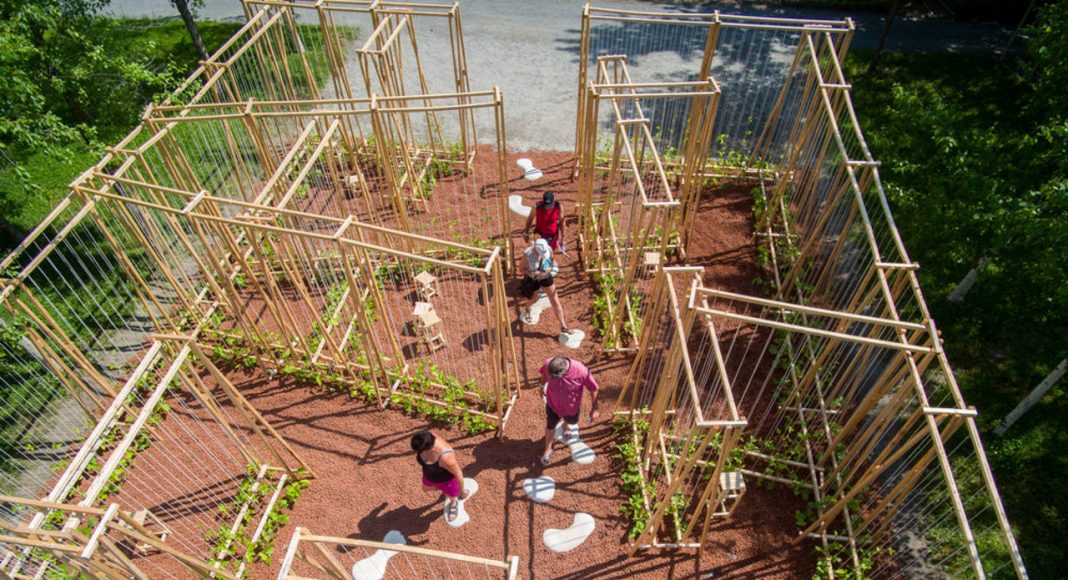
(515, 203)
(374, 568)
(530, 172)
(461, 513)
(540, 489)
(572, 340)
(541, 305)
(561, 541)
(580, 452)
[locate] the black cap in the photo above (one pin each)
(548, 199)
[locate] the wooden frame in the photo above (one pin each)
(846, 300)
(681, 450)
(97, 554)
(356, 146)
(633, 202)
(320, 553)
(295, 257)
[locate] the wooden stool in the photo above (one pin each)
(155, 526)
(352, 185)
(652, 262)
(731, 488)
(426, 282)
(428, 324)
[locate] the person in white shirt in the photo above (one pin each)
(541, 275)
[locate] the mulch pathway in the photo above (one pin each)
(367, 482)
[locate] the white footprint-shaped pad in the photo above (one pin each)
(515, 203)
(461, 514)
(530, 172)
(572, 339)
(540, 489)
(374, 568)
(561, 541)
(580, 452)
(541, 305)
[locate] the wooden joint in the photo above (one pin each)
(343, 227)
(833, 537)
(193, 203)
(897, 266)
(971, 412)
(98, 532)
(175, 337)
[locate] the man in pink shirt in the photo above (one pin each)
(565, 380)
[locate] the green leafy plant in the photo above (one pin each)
(462, 403)
(631, 480)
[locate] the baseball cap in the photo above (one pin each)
(542, 247)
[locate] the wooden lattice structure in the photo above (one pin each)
(637, 192)
(274, 213)
(684, 422)
(848, 396)
(174, 408)
(98, 549)
(341, 157)
(340, 559)
(271, 214)
(294, 50)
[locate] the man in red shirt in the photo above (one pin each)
(547, 219)
(565, 380)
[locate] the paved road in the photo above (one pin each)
(529, 49)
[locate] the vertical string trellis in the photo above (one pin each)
(845, 351)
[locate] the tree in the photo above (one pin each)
(187, 8)
(895, 10)
(64, 87)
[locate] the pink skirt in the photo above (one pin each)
(450, 488)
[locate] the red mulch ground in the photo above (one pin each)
(367, 482)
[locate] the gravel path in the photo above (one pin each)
(530, 49)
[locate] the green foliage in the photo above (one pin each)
(630, 475)
(231, 541)
(835, 561)
(458, 403)
(425, 187)
(73, 82)
(604, 296)
(634, 506)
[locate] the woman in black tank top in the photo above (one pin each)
(441, 471)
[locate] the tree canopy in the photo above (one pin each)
(65, 82)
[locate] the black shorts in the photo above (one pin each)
(551, 418)
(529, 285)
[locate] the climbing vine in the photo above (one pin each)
(461, 403)
(231, 542)
(631, 480)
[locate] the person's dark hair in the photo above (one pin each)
(558, 366)
(548, 200)
(422, 441)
